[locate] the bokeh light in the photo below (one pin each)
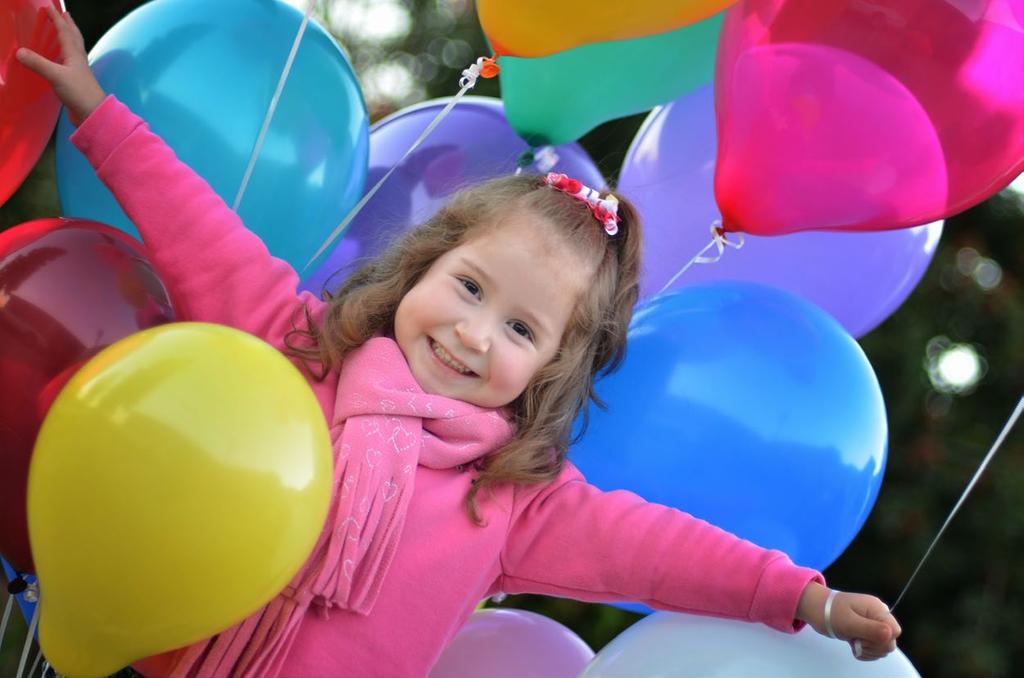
(986, 273)
(953, 368)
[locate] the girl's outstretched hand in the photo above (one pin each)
(862, 620)
(72, 79)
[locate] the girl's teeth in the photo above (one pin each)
(448, 359)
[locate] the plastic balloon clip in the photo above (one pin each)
(544, 157)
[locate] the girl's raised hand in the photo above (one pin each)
(72, 79)
(862, 620)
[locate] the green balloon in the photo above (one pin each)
(558, 98)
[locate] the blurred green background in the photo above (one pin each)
(950, 362)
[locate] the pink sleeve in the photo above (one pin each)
(216, 269)
(573, 540)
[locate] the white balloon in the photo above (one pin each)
(666, 644)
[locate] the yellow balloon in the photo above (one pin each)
(534, 28)
(180, 480)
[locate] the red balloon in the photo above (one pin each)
(865, 116)
(28, 105)
(68, 289)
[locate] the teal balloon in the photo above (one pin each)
(559, 98)
(202, 75)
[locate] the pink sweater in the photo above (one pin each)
(566, 538)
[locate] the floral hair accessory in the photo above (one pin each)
(606, 210)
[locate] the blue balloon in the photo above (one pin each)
(749, 407)
(28, 599)
(202, 75)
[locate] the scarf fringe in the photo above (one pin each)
(247, 649)
(250, 649)
(360, 545)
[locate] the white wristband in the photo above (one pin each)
(828, 613)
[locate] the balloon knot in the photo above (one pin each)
(489, 68)
(483, 67)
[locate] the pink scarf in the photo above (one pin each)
(385, 425)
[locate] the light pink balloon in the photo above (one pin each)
(507, 643)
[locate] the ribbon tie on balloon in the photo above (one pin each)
(719, 241)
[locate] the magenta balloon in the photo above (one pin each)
(859, 278)
(507, 643)
(866, 116)
(473, 143)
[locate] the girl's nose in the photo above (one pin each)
(473, 335)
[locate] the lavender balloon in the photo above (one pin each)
(507, 643)
(859, 278)
(473, 143)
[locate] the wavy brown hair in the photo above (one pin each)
(593, 344)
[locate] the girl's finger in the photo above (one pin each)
(897, 629)
(45, 35)
(75, 29)
(55, 16)
(65, 31)
(39, 64)
(875, 650)
(870, 630)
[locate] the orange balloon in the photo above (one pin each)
(533, 28)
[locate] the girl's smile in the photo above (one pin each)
(490, 313)
(448, 361)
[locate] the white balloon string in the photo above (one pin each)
(977, 474)
(718, 241)
(28, 641)
(35, 662)
(467, 81)
(254, 156)
(7, 616)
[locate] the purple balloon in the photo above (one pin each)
(507, 643)
(859, 278)
(473, 143)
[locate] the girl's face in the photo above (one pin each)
(490, 313)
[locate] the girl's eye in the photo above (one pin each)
(522, 330)
(470, 286)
